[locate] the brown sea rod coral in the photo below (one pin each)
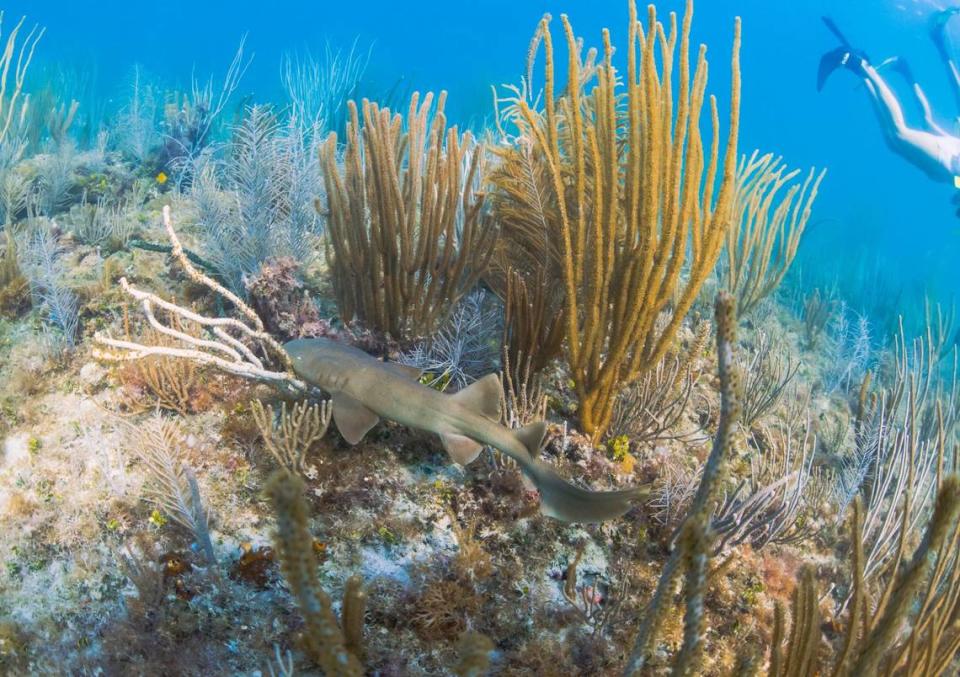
(691, 554)
(407, 232)
(334, 649)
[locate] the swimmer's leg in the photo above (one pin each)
(900, 65)
(888, 108)
(882, 116)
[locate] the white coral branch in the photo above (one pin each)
(228, 353)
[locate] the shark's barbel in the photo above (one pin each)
(364, 390)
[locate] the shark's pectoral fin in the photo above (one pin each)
(404, 370)
(482, 397)
(352, 418)
(462, 450)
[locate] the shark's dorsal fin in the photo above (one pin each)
(352, 418)
(531, 436)
(481, 396)
(403, 370)
(462, 449)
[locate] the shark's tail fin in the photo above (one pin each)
(570, 503)
(565, 501)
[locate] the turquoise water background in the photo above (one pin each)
(875, 211)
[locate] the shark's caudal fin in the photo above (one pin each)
(563, 500)
(569, 503)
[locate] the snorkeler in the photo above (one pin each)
(932, 149)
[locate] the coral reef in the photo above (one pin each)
(623, 497)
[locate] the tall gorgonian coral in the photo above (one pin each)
(407, 231)
(639, 205)
(12, 106)
(690, 557)
(770, 216)
(907, 630)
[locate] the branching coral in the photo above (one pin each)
(289, 436)
(190, 120)
(523, 400)
(778, 502)
(526, 269)
(770, 214)
(221, 346)
(12, 106)
(692, 550)
(44, 268)
(652, 407)
(272, 179)
(902, 447)
(636, 191)
(850, 351)
(817, 311)
(107, 226)
(336, 651)
(173, 486)
(533, 322)
(318, 88)
(160, 381)
(407, 231)
(136, 133)
(14, 287)
(766, 377)
(922, 596)
(463, 349)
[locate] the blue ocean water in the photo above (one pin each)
(876, 213)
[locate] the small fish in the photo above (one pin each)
(364, 390)
(161, 178)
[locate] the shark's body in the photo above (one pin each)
(365, 389)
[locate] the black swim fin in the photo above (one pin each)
(833, 28)
(844, 55)
(830, 62)
(938, 29)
